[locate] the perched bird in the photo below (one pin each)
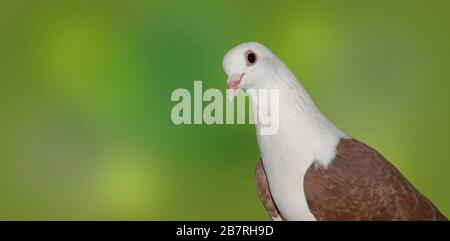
(310, 169)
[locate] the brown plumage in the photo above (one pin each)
(264, 191)
(359, 184)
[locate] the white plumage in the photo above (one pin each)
(304, 136)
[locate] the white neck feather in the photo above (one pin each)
(303, 129)
(305, 136)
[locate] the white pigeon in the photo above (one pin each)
(310, 169)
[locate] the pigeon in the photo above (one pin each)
(310, 169)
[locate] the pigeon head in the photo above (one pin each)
(247, 66)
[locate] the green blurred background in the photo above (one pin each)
(85, 128)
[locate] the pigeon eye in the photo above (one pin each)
(251, 58)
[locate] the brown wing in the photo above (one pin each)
(360, 184)
(264, 192)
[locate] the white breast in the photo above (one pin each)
(285, 172)
(305, 136)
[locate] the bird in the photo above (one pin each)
(310, 169)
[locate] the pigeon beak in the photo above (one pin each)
(234, 85)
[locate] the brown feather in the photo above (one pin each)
(262, 186)
(360, 184)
